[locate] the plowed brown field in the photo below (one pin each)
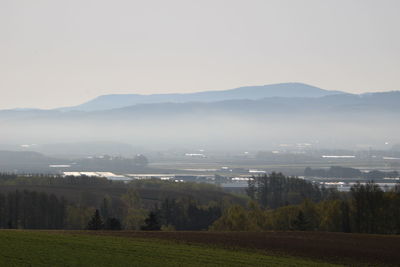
(349, 249)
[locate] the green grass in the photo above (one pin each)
(36, 248)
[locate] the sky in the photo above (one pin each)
(58, 53)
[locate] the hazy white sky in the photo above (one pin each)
(55, 53)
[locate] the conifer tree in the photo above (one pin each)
(95, 222)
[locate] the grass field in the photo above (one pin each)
(339, 248)
(39, 248)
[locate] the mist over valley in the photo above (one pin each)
(334, 120)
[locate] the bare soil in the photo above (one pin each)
(348, 249)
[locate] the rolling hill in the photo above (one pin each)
(333, 120)
(106, 102)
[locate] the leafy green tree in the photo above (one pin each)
(234, 219)
(330, 215)
(78, 216)
(134, 215)
(310, 211)
(282, 218)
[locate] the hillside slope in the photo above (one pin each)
(106, 102)
(30, 248)
(333, 120)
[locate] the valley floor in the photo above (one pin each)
(44, 248)
(129, 248)
(338, 248)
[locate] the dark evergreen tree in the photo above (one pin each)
(345, 214)
(105, 208)
(95, 223)
(152, 223)
(112, 224)
(301, 223)
(186, 214)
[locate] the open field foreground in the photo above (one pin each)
(39, 248)
(338, 248)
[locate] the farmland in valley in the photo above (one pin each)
(337, 248)
(129, 248)
(38, 248)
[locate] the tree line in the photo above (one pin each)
(25, 203)
(346, 172)
(31, 210)
(275, 202)
(182, 214)
(365, 209)
(276, 190)
(34, 210)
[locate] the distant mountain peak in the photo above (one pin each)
(295, 89)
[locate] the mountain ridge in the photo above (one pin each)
(343, 119)
(339, 103)
(112, 101)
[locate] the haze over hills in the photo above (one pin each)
(333, 120)
(249, 92)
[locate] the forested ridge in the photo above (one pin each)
(365, 209)
(91, 202)
(273, 202)
(31, 210)
(346, 172)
